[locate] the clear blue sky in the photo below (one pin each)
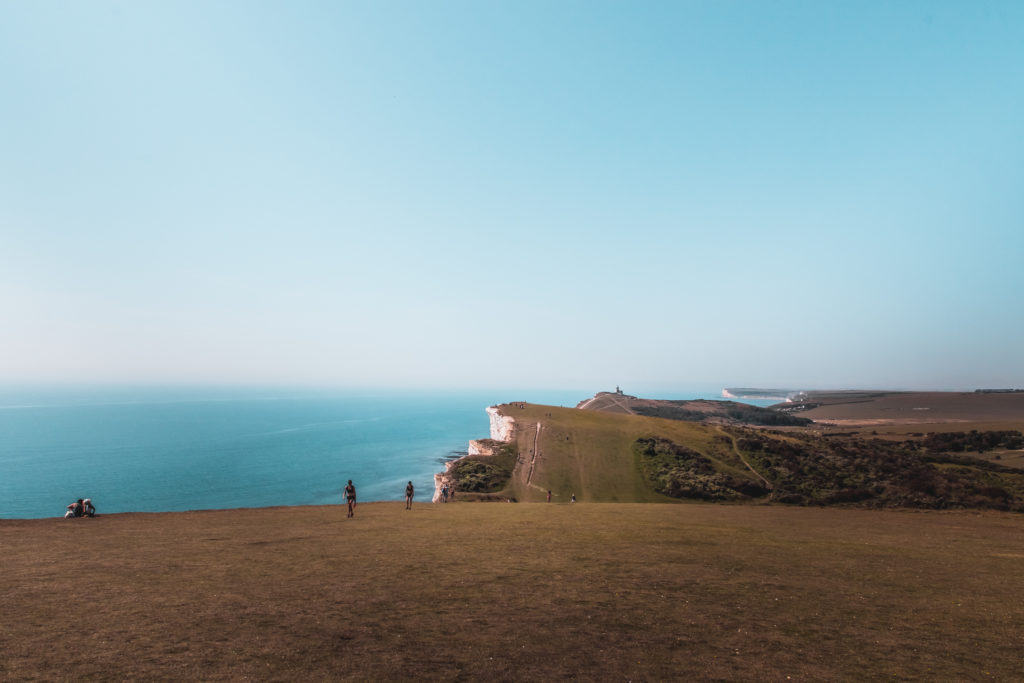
(513, 194)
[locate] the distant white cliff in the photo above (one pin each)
(781, 395)
(503, 429)
(502, 426)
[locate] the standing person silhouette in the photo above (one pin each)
(350, 496)
(408, 496)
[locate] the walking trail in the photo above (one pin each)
(736, 450)
(536, 449)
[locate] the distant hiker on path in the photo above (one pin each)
(444, 493)
(408, 496)
(549, 495)
(350, 496)
(573, 499)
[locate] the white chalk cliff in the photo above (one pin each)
(503, 429)
(502, 426)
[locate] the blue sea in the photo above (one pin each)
(156, 450)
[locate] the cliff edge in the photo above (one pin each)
(503, 429)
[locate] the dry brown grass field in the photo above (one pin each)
(515, 592)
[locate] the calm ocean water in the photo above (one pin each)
(178, 449)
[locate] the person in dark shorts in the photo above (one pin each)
(350, 496)
(408, 496)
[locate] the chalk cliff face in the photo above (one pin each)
(481, 447)
(502, 426)
(502, 429)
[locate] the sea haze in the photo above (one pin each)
(156, 450)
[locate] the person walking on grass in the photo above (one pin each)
(350, 496)
(408, 496)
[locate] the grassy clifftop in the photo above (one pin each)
(618, 457)
(589, 453)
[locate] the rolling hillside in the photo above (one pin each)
(617, 457)
(589, 453)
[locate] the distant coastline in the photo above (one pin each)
(780, 395)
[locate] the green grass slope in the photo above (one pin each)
(592, 453)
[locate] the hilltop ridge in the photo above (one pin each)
(692, 410)
(620, 448)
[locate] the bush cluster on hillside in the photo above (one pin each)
(682, 472)
(956, 442)
(485, 473)
(812, 470)
(755, 415)
(738, 412)
(806, 469)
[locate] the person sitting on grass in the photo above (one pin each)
(88, 509)
(76, 509)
